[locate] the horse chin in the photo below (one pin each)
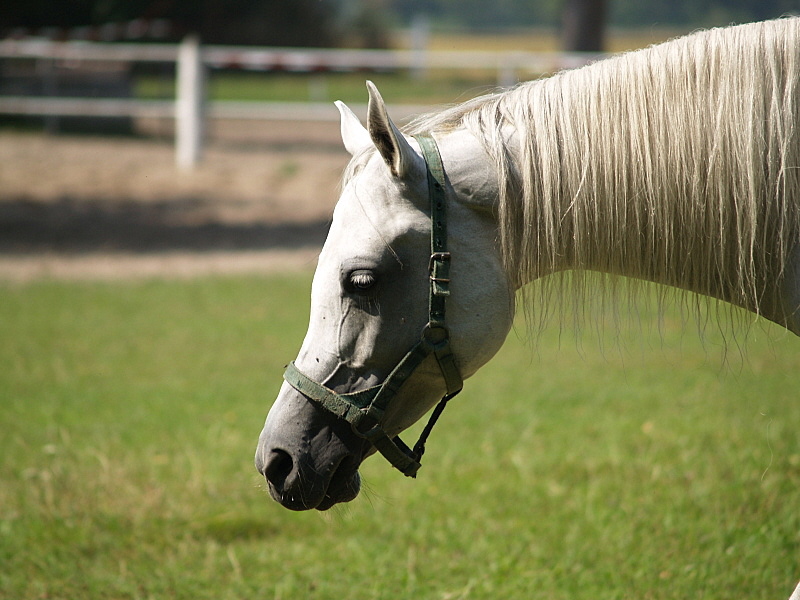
(343, 486)
(346, 491)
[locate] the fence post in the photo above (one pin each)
(46, 68)
(420, 36)
(189, 103)
(506, 74)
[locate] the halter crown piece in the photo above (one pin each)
(365, 410)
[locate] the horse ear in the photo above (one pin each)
(354, 135)
(392, 145)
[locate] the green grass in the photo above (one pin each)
(130, 412)
(348, 87)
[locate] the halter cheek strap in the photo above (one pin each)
(365, 410)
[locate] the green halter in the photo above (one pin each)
(365, 410)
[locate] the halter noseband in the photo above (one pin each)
(365, 410)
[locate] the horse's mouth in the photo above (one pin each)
(301, 491)
(344, 487)
(344, 493)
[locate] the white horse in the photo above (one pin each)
(678, 164)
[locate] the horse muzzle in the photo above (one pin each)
(308, 459)
(294, 490)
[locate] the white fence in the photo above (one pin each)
(190, 109)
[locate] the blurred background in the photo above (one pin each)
(370, 23)
(104, 150)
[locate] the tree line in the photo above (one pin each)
(366, 22)
(480, 14)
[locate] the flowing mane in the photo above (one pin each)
(678, 164)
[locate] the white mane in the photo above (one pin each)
(678, 164)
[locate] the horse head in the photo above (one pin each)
(370, 301)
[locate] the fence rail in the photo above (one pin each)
(86, 107)
(190, 108)
(300, 60)
(165, 109)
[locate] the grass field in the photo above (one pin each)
(648, 468)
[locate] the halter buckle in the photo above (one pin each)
(438, 259)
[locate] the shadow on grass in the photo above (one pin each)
(226, 530)
(71, 225)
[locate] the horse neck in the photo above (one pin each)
(633, 248)
(651, 176)
(569, 232)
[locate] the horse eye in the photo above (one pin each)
(362, 281)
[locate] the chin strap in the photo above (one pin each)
(365, 410)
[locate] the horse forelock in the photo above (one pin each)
(678, 164)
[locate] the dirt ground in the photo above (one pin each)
(118, 207)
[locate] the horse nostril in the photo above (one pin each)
(279, 466)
